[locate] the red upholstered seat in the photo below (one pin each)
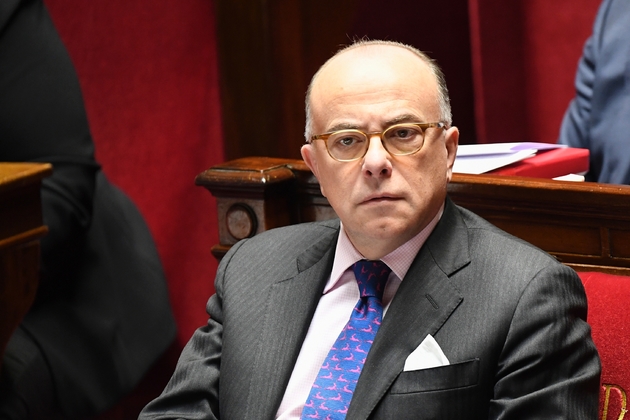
(609, 316)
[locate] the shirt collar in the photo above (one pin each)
(399, 260)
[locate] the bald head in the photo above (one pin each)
(383, 198)
(365, 62)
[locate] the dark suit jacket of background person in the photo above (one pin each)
(598, 118)
(102, 314)
(509, 318)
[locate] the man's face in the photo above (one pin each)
(382, 200)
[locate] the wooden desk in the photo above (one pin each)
(21, 227)
(585, 225)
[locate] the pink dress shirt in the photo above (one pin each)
(340, 295)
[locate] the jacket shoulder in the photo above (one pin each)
(280, 248)
(490, 236)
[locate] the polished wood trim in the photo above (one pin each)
(18, 174)
(24, 237)
(21, 227)
(584, 225)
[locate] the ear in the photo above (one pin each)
(309, 154)
(451, 142)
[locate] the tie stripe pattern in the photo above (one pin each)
(332, 390)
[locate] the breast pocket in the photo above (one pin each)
(457, 375)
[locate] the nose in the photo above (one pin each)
(376, 162)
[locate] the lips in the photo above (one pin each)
(380, 198)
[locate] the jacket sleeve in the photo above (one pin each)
(574, 130)
(548, 366)
(193, 390)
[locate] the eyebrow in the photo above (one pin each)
(404, 118)
(343, 126)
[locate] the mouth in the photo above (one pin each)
(382, 198)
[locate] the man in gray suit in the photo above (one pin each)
(474, 323)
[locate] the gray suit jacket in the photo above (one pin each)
(509, 317)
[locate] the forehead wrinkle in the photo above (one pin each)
(394, 109)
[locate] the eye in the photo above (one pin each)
(346, 140)
(403, 133)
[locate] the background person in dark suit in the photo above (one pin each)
(598, 118)
(101, 315)
(477, 324)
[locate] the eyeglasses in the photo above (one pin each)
(398, 140)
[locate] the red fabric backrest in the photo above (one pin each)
(608, 297)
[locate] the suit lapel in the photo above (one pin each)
(423, 303)
(291, 304)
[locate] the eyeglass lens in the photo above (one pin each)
(400, 139)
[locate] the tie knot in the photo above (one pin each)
(371, 277)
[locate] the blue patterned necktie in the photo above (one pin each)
(332, 390)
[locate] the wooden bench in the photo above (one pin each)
(584, 225)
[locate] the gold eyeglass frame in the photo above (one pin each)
(380, 134)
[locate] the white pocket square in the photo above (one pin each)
(427, 355)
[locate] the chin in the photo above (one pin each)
(390, 230)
